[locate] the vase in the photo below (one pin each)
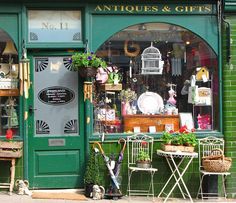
(125, 108)
(87, 71)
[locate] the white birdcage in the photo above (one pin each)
(151, 61)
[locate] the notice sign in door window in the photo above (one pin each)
(54, 26)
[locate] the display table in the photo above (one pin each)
(178, 169)
(10, 151)
(12, 171)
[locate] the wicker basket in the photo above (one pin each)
(87, 71)
(216, 163)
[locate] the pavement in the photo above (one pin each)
(15, 198)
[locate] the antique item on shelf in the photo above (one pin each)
(101, 76)
(204, 122)
(150, 103)
(127, 96)
(202, 74)
(88, 91)
(12, 120)
(172, 94)
(8, 83)
(134, 46)
(151, 61)
(204, 96)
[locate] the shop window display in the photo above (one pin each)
(169, 69)
(9, 92)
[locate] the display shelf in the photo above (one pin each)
(203, 109)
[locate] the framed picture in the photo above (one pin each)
(169, 127)
(152, 129)
(186, 119)
(137, 129)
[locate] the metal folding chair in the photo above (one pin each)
(135, 144)
(205, 147)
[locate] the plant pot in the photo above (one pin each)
(87, 71)
(88, 190)
(143, 164)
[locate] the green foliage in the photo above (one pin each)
(143, 156)
(167, 137)
(183, 136)
(87, 60)
(92, 170)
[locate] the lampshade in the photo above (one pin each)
(9, 49)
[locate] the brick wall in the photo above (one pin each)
(229, 105)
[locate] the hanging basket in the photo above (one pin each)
(216, 163)
(85, 72)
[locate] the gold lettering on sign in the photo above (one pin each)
(150, 8)
(190, 9)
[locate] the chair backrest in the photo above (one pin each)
(207, 145)
(135, 144)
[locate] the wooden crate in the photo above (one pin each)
(145, 121)
(11, 149)
(174, 148)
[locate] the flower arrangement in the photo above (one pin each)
(87, 60)
(183, 136)
(127, 95)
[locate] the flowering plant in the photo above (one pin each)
(183, 136)
(9, 135)
(87, 60)
(127, 95)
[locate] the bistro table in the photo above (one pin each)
(178, 169)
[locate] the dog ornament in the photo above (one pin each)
(98, 192)
(23, 187)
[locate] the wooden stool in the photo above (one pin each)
(12, 170)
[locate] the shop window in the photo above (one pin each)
(179, 86)
(9, 92)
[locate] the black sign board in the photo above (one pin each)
(56, 95)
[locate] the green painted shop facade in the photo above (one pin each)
(58, 130)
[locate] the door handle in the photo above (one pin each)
(31, 109)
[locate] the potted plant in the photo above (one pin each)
(143, 160)
(87, 63)
(127, 96)
(167, 137)
(91, 176)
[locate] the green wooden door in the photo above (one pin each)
(55, 128)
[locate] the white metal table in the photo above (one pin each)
(178, 169)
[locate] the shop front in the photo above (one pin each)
(164, 72)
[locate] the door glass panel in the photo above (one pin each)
(56, 97)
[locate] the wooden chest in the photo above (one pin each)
(161, 122)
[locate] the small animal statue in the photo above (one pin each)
(23, 187)
(98, 192)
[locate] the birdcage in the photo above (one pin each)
(151, 61)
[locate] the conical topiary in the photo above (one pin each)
(91, 176)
